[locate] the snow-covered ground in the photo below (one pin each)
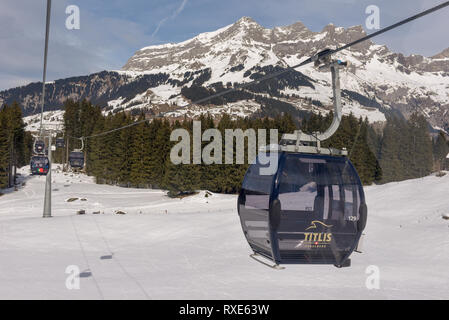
(194, 248)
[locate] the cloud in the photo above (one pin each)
(173, 16)
(102, 43)
(179, 10)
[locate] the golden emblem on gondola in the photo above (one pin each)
(313, 225)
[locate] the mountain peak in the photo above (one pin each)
(442, 55)
(247, 23)
(246, 20)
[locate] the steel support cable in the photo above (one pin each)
(288, 69)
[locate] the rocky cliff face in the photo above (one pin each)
(161, 77)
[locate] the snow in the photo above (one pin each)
(205, 36)
(357, 110)
(116, 103)
(319, 36)
(240, 109)
(392, 87)
(193, 248)
(52, 119)
(227, 47)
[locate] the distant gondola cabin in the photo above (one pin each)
(60, 143)
(39, 147)
(39, 165)
(76, 159)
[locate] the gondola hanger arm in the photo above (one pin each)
(304, 141)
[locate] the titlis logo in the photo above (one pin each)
(317, 239)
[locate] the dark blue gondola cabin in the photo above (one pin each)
(39, 165)
(310, 211)
(60, 143)
(39, 147)
(76, 159)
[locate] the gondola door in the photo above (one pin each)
(254, 209)
(316, 208)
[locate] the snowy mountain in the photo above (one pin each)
(161, 77)
(194, 248)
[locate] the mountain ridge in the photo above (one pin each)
(161, 77)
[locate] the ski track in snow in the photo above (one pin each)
(194, 248)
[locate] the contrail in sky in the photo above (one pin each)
(173, 15)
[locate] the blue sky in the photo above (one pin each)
(112, 30)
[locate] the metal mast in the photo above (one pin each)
(47, 199)
(47, 31)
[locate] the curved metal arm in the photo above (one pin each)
(337, 104)
(299, 138)
(82, 143)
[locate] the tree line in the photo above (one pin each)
(139, 156)
(402, 149)
(15, 144)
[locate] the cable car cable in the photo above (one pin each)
(320, 55)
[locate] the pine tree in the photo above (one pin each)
(392, 166)
(160, 145)
(440, 151)
(182, 178)
(97, 156)
(140, 155)
(422, 146)
(12, 143)
(4, 150)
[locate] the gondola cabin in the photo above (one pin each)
(310, 211)
(39, 147)
(76, 159)
(39, 165)
(60, 143)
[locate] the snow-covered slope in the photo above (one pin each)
(194, 248)
(50, 119)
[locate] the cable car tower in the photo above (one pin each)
(47, 199)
